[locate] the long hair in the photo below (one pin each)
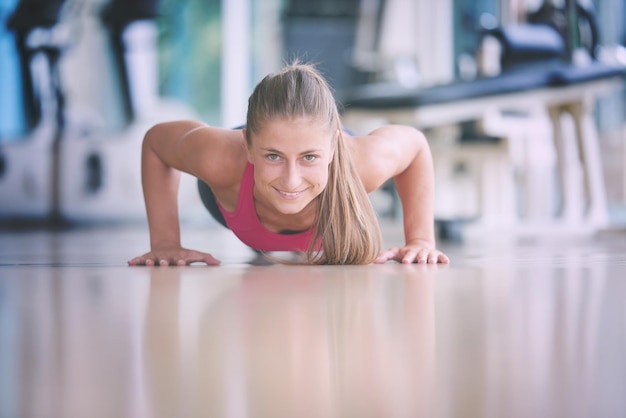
(346, 225)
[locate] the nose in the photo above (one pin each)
(291, 177)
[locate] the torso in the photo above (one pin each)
(228, 194)
(251, 230)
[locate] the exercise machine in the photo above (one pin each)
(90, 87)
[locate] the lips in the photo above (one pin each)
(289, 195)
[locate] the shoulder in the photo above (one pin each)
(391, 138)
(215, 155)
(384, 152)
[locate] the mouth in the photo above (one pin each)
(289, 195)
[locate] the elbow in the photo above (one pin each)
(153, 133)
(412, 140)
(413, 145)
(422, 147)
(419, 138)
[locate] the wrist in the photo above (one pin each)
(423, 242)
(161, 244)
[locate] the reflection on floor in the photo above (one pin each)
(508, 329)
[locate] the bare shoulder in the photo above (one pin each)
(384, 152)
(215, 155)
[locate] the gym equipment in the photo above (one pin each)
(101, 176)
(104, 98)
(27, 183)
(554, 89)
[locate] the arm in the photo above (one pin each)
(402, 153)
(162, 159)
(415, 185)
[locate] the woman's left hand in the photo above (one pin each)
(413, 253)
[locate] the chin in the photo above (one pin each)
(289, 209)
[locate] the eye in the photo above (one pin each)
(272, 157)
(310, 158)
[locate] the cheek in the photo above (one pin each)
(265, 173)
(319, 177)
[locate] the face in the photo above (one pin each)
(291, 159)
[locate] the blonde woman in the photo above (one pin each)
(291, 180)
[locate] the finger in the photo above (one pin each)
(443, 258)
(136, 261)
(410, 256)
(382, 258)
(438, 257)
(149, 262)
(163, 262)
(390, 254)
(433, 257)
(181, 262)
(197, 256)
(139, 261)
(422, 256)
(210, 261)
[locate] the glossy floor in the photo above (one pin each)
(508, 329)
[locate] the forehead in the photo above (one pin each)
(292, 133)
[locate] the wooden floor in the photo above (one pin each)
(511, 328)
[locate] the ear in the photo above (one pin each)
(245, 145)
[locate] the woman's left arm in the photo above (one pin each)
(407, 159)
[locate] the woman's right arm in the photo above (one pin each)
(162, 159)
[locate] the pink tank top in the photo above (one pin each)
(246, 225)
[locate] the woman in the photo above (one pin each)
(292, 180)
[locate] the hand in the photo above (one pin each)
(173, 255)
(421, 253)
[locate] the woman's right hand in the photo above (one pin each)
(173, 255)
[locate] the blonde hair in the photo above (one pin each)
(345, 224)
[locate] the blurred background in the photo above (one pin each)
(522, 100)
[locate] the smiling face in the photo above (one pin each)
(291, 159)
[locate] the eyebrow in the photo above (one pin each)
(275, 151)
